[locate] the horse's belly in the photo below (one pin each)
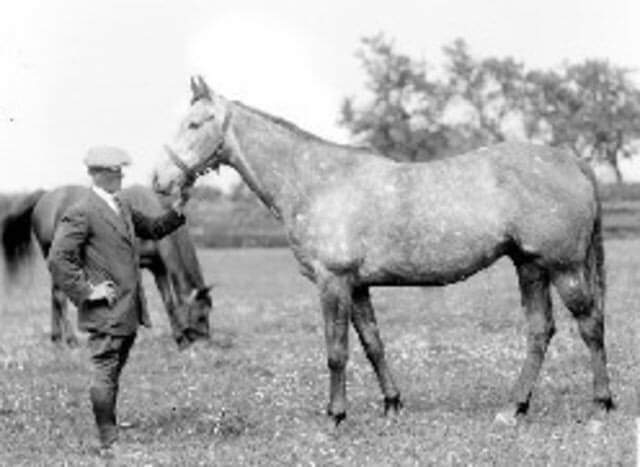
(436, 260)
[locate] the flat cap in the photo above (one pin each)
(106, 156)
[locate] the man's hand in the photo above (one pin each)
(103, 291)
(185, 194)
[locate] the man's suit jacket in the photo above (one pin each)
(93, 244)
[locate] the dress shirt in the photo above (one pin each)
(107, 197)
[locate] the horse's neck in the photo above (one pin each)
(182, 262)
(272, 160)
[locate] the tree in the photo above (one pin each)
(591, 107)
(403, 119)
(413, 115)
(487, 93)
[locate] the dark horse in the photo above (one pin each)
(172, 260)
(355, 220)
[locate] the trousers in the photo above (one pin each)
(108, 356)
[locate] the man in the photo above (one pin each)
(93, 259)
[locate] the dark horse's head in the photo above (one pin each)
(176, 269)
(192, 318)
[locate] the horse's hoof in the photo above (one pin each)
(605, 404)
(598, 417)
(392, 403)
(338, 418)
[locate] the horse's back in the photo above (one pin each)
(143, 199)
(50, 209)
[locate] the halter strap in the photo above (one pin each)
(191, 173)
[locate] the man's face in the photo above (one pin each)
(109, 179)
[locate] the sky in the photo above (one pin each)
(77, 73)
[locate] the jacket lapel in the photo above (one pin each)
(111, 217)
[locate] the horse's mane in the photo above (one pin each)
(306, 135)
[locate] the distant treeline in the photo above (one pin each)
(621, 208)
(239, 219)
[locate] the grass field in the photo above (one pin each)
(256, 394)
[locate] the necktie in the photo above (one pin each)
(123, 216)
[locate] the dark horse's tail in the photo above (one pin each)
(16, 230)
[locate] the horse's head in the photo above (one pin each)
(199, 145)
(192, 317)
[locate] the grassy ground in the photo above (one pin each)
(256, 395)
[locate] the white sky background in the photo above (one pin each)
(74, 73)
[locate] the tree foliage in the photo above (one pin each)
(591, 107)
(416, 112)
(404, 117)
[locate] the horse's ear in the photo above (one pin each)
(199, 293)
(194, 87)
(199, 89)
(204, 291)
(204, 88)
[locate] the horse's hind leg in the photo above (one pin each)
(587, 308)
(61, 328)
(335, 298)
(364, 321)
(536, 300)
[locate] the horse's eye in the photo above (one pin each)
(194, 125)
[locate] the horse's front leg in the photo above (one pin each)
(336, 310)
(364, 320)
(166, 294)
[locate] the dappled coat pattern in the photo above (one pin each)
(356, 219)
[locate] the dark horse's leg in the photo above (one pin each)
(536, 299)
(588, 309)
(364, 321)
(335, 298)
(61, 328)
(164, 287)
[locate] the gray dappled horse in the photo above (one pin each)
(172, 260)
(355, 220)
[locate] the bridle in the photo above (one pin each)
(207, 164)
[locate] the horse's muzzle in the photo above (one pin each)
(189, 336)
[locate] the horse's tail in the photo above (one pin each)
(595, 267)
(16, 230)
(595, 262)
